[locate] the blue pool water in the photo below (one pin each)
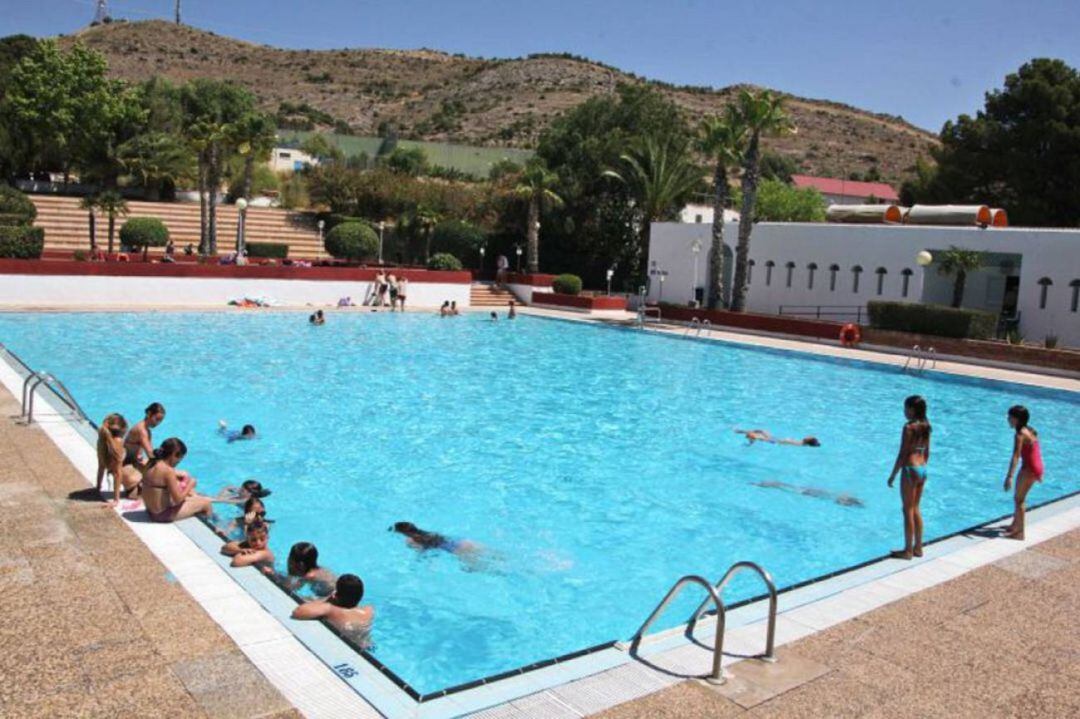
(599, 465)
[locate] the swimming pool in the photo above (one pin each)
(597, 465)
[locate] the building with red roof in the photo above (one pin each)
(847, 192)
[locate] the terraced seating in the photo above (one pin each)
(67, 227)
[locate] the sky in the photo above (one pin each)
(925, 61)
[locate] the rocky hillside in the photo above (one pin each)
(435, 96)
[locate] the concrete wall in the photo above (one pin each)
(1049, 254)
(91, 291)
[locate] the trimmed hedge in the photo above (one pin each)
(142, 233)
(15, 207)
(567, 285)
(932, 320)
(267, 249)
(22, 243)
(444, 261)
(352, 241)
(457, 238)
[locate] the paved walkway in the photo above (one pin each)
(90, 622)
(1000, 641)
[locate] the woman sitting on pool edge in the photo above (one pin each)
(763, 435)
(302, 568)
(110, 453)
(342, 609)
(165, 498)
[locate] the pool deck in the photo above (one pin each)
(939, 637)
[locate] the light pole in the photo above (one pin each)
(382, 227)
(482, 252)
(696, 249)
(517, 250)
(322, 224)
(663, 276)
(610, 274)
(241, 212)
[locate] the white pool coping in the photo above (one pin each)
(587, 684)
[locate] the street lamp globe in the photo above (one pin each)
(241, 204)
(924, 258)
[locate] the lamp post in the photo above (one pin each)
(482, 252)
(696, 249)
(517, 250)
(610, 274)
(382, 227)
(663, 277)
(322, 225)
(241, 212)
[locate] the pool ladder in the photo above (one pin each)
(697, 326)
(715, 597)
(918, 359)
(33, 382)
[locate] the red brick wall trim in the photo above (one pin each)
(1059, 359)
(764, 323)
(249, 272)
(580, 302)
(537, 280)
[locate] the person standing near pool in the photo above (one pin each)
(393, 282)
(165, 497)
(511, 313)
(911, 463)
(402, 292)
(1028, 454)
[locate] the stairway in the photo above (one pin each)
(488, 294)
(67, 226)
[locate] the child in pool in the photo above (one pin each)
(764, 435)
(245, 433)
(238, 495)
(303, 569)
(1028, 454)
(470, 553)
(254, 511)
(254, 550)
(342, 609)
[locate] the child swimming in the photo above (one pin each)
(238, 495)
(470, 553)
(763, 435)
(911, 462)
(245, 433)
(254, 511)
(1028, 454)
(302, 569)
(254, 550)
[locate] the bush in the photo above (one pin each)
(15, 207)
(142, 233)
(267, 249)
(567, 284)
(457, 238)
(444, 261)
(352, 241)
(80, 255)
(932, 320)
(22, 243)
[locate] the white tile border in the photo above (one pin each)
(316, 691)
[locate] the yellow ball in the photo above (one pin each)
(924, 258)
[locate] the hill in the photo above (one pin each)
(429, 95)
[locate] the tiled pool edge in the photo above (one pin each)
(521, 690)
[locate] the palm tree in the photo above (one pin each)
(721, 138)
(659, 174)
(956, 262)
(253, 136)
(419, 224)
(112, 205)
(762, 113)
(89, 203)
(535, 185)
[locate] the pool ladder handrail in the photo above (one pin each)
(698, 326)
(716, 598)
(30, 386)
(918, 359)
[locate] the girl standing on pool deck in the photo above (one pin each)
(1027, 453)
(911, 462)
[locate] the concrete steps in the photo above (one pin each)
(67, 225)
(486, 294)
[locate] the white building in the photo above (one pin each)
(833, 270)
(703, 214)
(290, 159)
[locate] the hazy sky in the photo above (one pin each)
(927, 61)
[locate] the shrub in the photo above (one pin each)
(15, 207)
(22, 243)
(444, 261)
(352, 241)
(142, 233)
(267, 249)
(80, 256)
(932, 319)
(567, 284)
(457, 238)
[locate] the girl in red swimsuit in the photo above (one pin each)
(1027, 454)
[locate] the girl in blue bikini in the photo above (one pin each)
(911, 463)
(465, 550)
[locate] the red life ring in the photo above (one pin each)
(850, 335)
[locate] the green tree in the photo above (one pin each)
(352, 241)
(721, 139)
(661, 176)
(142, 233)
(458, 238)
(775, 166)
(112, 205)
(780, 202)
(253, 136)
(956, 262)
(410, 161)
(536, 186)
(317, 145)
(1020, 152)
(763, 114)
(157, 161)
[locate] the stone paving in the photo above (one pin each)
(90, 623)
(1000, 641)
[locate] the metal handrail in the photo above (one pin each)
(695, 322)
(914, 354)
(643, 312)
(36, 380)
(770, 637)
(824, 311)
(931, 356)
(706, 326)
(717, 675)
